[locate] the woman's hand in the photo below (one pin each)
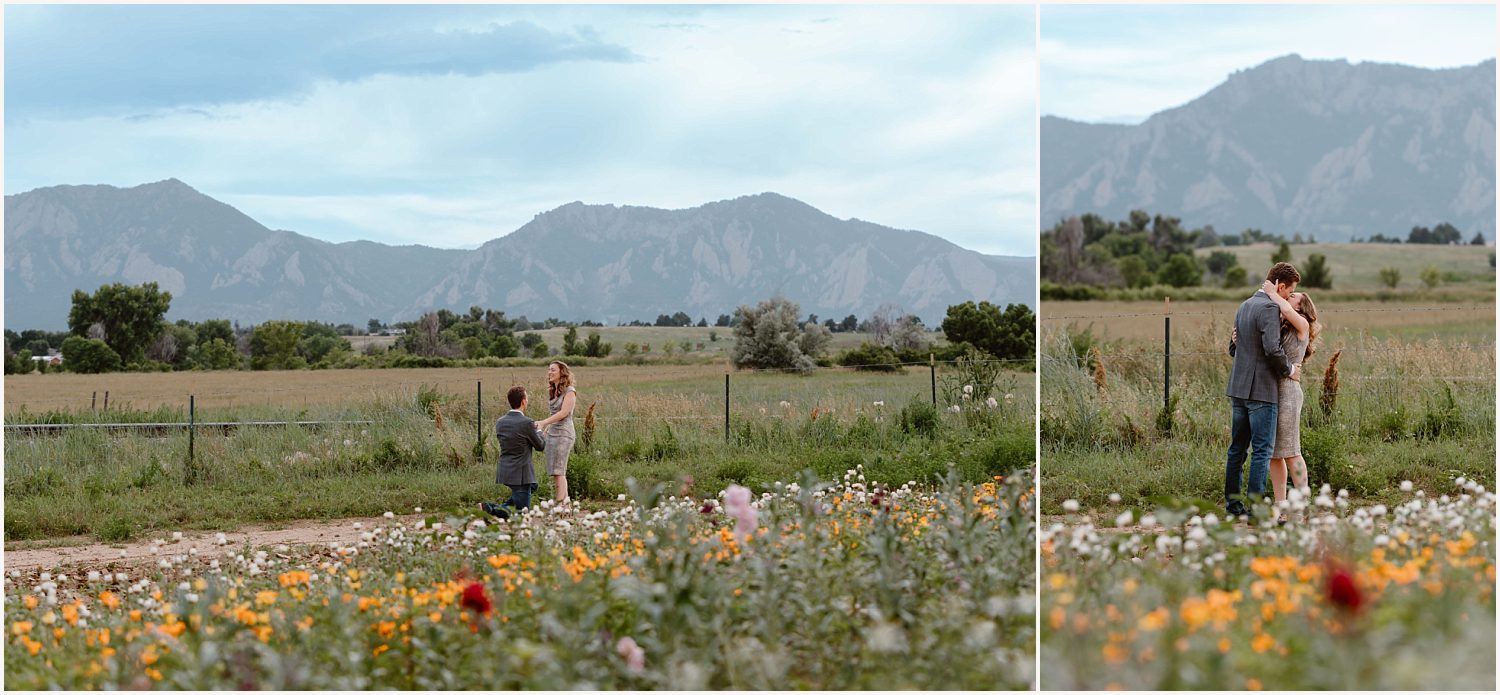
(1269, 287)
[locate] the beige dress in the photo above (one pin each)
(1289, 403)
(560, 436)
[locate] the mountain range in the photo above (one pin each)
(1321, 147)
(607, 263)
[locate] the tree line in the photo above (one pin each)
(122, 328)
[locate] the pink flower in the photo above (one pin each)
(737, 505)
(635, 657)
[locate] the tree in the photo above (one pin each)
(87, 356)
(1315, 272)
(1478, 239)
(1236, 277)
(596, 347)
(1006, 335)
(130, 316)
(703, 322)
(1219, 262)
(723, 321)
(767, 337)
(681, 319)
(504, 346)
(217, 354)
(1283, 254)
(473, 347)
(214, 329)
(273, 344)
(374, 326)
(1390, 277)
(849, 324)
(570, 345)
(1181, 270)
(1134, 272)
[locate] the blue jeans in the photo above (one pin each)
(520, 496)
(1253, 427)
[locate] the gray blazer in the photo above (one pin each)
(518, 437)
(1259, 369)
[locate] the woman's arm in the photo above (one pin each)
(562, 413)
(1299, 323)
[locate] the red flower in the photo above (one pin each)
(707, 508)
(476, 600)
(1342, 591)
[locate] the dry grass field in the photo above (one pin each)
(1357, 266)
(1143, 320)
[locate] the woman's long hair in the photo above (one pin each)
(564, 380)
(1309, 311)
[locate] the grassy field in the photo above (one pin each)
(1357, 266)
(714, 342)
(1415, 401)
(652, 423)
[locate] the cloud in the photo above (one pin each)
(1099, 62)
(88, 60)
(513, 47)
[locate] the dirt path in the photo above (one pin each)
(100, 555)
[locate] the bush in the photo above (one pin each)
(89, 356)
(767, 337)
(919, 417)
(870, 357)
(1235, 277)
(1390, 277)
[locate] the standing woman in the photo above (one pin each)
(1299, 335)
(558, 429)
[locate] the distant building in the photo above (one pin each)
(51, 360)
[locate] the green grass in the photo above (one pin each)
(118, 486)
(1357, 267)
(1420, 411)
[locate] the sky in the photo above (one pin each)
(453, 125)
(1120, 63)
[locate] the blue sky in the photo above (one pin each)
(453, 125)
(1122, 63)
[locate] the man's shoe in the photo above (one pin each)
(494, 510)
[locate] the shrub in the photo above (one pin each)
(1390, 277)
(89, 356)
(870, 357)
(919, 417)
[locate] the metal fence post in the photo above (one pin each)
(106, 401)
(478, 414)
(932, 369)
(726, 407)
(1166, 379)
(192, 467)
(94, 402)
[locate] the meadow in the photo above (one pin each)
(1412, 398)
(414, 439)
(1356, 267)
(837, 583)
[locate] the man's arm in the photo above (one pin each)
(532, 436)
(1270, 339)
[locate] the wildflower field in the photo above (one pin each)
(1346, 597)
(851, 584)
(411, 438)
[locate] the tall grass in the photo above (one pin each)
(1420, 410)
(115, 486)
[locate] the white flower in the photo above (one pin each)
(1010, 396)
(1070, 505)
(418, 510)
(1124, 518)
(955, 409)
(968, 389)
(881, 404)
(389, 515)
(786, 404)
(1114, 498)
(1406, 486)
(620, 497)
(991, 403)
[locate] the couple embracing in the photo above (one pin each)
(519, 435)
(1279, 327)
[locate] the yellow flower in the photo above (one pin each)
(110, 600)
(1223, 645)
(1253, 684)
(1262, 643)
(1155, 620)
(265, 598)
(435, 617)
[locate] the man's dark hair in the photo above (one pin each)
(1284, 273)
(515, 395)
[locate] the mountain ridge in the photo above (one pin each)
(577, 261)
(1327, 147)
